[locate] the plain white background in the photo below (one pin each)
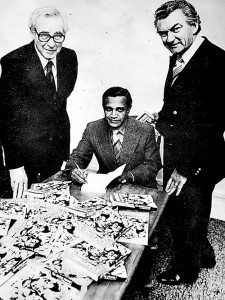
(116, 44)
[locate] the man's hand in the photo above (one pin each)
(156, 116)
(79, 175)
(127, 177)
(19, 182)
(176, 182)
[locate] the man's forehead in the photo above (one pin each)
(176, 17)
(118, 101)
(50, 24)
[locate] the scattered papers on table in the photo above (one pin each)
(108, 224)
(53, 241)
(142, 202)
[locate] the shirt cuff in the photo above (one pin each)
(132, 175)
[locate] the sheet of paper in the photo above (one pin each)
(97, 183)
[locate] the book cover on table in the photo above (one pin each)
(13, 208)
(135, 201)
(35, 281)
(91, 260)
(136, 227)
(124, 225)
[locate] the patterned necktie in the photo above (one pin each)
(49, 75)
(117, 145)
(177, 68)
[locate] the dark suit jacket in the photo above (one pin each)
(35, 124)
(192, 118)
(139, 151)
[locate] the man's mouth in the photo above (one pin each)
(174, 45)
(114, 121)
(50, 50)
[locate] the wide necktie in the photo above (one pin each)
(49, 75)
(177, 68)
(117, 145)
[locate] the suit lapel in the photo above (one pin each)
(130, 141)
(105, 145)
(34, 68)
(36, 74)
(61, 74)
(170, 72)
(193, 68)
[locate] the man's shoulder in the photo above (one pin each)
(97, 124)
(68, 58)
(67, 52)
(144, 127)
(132, 124)
(213, 49)
(19, 53)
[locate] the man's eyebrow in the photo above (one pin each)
(175, 25)
(170, 29)
(47, 32)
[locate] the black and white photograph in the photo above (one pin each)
(88, 87)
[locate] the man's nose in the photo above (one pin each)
(170, 37)
(51, 43)
(114, 114)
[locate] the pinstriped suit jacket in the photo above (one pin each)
(139, 150)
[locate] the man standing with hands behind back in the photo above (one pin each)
(36, 81)
(192, 124)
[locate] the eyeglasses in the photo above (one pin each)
(45, 37)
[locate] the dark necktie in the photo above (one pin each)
(49, 75)
(117, 145)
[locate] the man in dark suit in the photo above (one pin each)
(137, 144)
(36, 81)
(192, 124)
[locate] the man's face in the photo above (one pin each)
(177, 36)
(116, 111)
(52, 26)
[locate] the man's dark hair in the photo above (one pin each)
(117, 91)
(188, 10)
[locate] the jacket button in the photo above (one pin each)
(175, 112)
(171, 125)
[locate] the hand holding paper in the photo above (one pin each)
(97, 183)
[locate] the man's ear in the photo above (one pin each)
(32, 33)
(195, 27)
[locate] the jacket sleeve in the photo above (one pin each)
(82, 154)
(146, 171)
(10, 110)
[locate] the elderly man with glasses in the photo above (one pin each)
(35, 83)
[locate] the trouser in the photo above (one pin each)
(187, 216)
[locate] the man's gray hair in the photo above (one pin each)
(47, 12)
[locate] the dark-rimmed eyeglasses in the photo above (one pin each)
(45, 37)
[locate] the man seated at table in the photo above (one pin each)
(115, 140)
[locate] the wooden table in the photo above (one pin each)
(115, 290)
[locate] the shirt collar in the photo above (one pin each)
(194, 47)
(44, 61)
(121, 129)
